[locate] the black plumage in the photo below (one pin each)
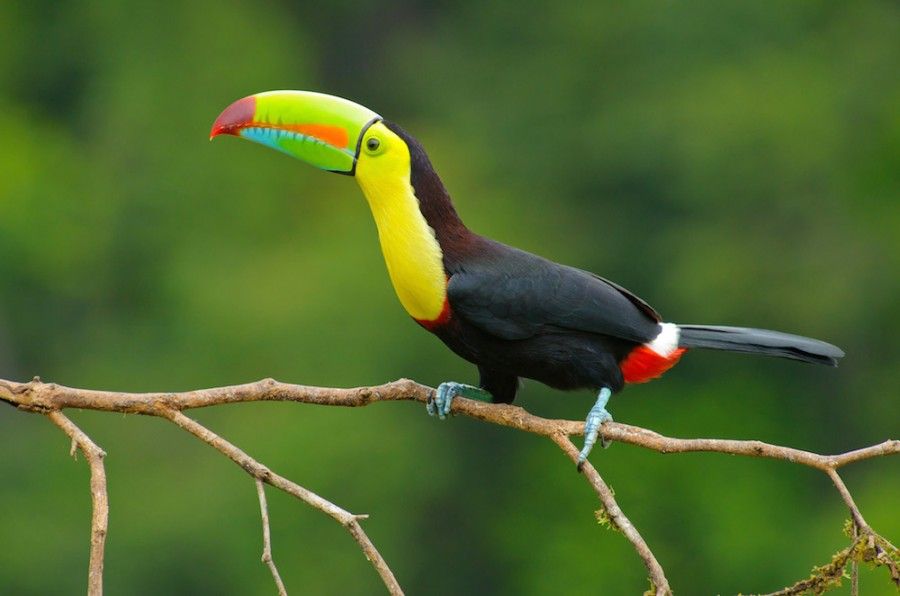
(760, 341)
(515, 314)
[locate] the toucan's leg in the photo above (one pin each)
(501, 385)
(597, 416)
(445, 393)
(495, 386)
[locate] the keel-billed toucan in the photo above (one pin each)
(511, 313)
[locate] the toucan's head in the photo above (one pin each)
(412, 210)
(331, 133)
(407, 200)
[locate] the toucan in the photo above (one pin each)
(511, 313)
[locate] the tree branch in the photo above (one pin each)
(99, 499)
(36, 396)
(267, 538)
(858, 520)
(264, 474)
(614, 515)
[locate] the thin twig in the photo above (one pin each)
(854, 567)
(99, 499)
(848, 499)
(264, 474)
(616, 516)
(267, 538)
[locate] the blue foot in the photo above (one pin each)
(443, 397)
(597, 416)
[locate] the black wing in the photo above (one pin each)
(513, 294)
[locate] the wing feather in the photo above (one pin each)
(515, 295)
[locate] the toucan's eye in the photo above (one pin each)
(373, 144)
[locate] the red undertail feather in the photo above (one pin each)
(644, 364)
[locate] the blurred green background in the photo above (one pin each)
(733, 163)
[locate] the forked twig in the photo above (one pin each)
(264, 474)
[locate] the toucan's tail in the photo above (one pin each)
(759, 341)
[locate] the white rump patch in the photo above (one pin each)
(667, 341)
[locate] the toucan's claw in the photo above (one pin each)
(596, 417)
(442, 400)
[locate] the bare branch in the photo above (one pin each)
(267, 538)
(99, 499)
(854, 567)
(651, 440)
(36, 396)
(39, 396)
(617, 517)
(858, 520)
(264, 474)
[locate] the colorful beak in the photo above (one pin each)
(322, 130)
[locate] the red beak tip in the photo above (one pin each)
(234, 117)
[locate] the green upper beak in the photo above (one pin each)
(322, 130)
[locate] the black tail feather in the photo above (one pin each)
(759, 341)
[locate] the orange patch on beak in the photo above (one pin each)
(333, 135)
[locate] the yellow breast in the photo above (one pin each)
(411, 251)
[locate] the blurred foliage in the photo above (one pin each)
(732, 162)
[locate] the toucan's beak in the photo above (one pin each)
(322, 130)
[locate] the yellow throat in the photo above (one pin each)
(411, 251)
